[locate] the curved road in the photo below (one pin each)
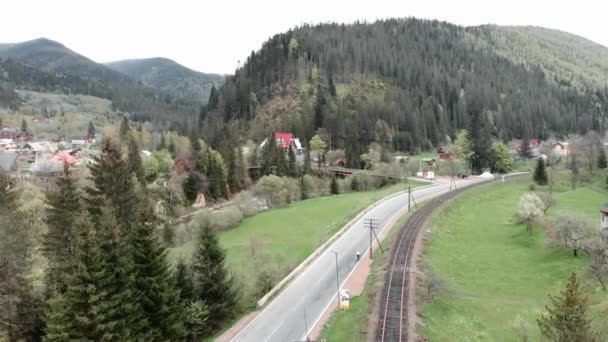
(294, 312)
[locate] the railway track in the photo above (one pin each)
(393, 322)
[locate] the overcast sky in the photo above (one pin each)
(212, 36)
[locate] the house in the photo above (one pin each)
(42, 147)
(443, 153)
(47, 167)
(8, 161)
(7, 145)
(285, 140)
(561, 148)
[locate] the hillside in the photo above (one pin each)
(567, 58)
(43, 65)
(408, 85)
(168, 76)
(51, 56)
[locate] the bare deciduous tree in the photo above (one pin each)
(575, 232)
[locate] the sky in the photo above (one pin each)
(214, 36)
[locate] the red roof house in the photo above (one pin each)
(283, 139)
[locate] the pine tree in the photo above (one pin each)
(124, 128)
(304, 190)
(158, 298)
(182, 280)
(192, 186)
(602, 163)
(23, 126)
(213, 285)
(334, 186)
(59, 322)
(354, 185)
(162, 145)
(481, 142)
(172, 149)
(307, 162)
(118, 313)
(91, 130)
(214, 98)
(135, 164)
(59, 242)
(540, 172)
(567, 318)
(113, 184)
(292, 167)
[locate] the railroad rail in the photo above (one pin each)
(393, 322)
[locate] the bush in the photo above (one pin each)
(246, 203)
(333, 187)
(292, 187)
(226, 218)
(272, 189)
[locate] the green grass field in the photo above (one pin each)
(494, 267)
(280, 239)
(351, 325)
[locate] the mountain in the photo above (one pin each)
(168, 76)
(410, 84)
(51, 56)
(44, 65)
(566, 57)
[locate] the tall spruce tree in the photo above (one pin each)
(159, 299)
(63, 208)
(91, 130)
(292, 166)
(135, 164)
(124, 128)
(481, 142)
(567, 319)
(602, 163)
(213, 284)
(307, 162)
(540, 173)
(182, 280)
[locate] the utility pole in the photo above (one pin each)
(410, 199)
(337, 279)
(452, 180)
(372, 224)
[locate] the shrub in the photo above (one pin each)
(333, 187)
(272, 189)
(226, 218)
(293, 189)
(246, 203)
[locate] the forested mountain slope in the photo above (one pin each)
(407, 84)
(567, 58)
(168, 76)
(51, 56)
(47, 66)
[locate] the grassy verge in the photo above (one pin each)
(351, 325)
(280, 239)
(496, 270)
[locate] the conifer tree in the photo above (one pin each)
(135, 164)
(183, 281)
(158, 298)
(213, 284)
(602, 163)
(540, 172)
(304, 190)
(292, 167)
(115, 303)
(172, 149)
(58, 321)
(124, 128)
(307, 162)
(354, 185)
(91, 130)
(113, 185)
(334, 186)
(567, 319)
(23, 126)
(59, 242)
(162, 145)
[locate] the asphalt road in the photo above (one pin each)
(295, 311)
